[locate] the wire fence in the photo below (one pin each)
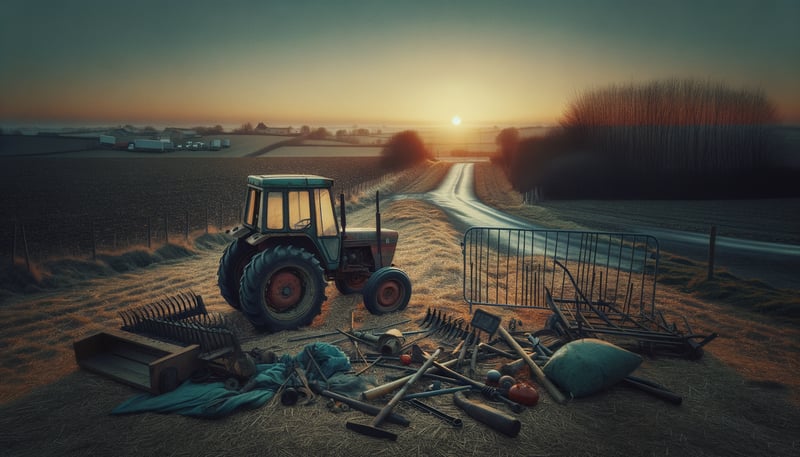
(30, 239)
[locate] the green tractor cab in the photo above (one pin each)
(290, 244)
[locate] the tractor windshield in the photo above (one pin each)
(299, 209)
(326, 222)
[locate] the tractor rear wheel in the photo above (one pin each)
(285, 285)
(387, 290)
(231, 265)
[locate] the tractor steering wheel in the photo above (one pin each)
(302, 223)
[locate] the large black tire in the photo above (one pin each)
(231, 266)
(388, 290)
(282, 289)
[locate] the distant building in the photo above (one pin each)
(178, 135)
(262, 129)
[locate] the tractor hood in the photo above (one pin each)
(366, 237)
(388, 236)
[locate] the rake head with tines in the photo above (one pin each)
(171, 308)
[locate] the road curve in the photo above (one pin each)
(775, 264)
(456, 195)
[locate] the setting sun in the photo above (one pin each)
(456, 120)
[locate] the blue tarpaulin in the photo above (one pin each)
(213, 400)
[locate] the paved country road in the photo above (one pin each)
(776, 264)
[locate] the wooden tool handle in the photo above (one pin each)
(540, 376)
(389, 387)
(400, 393)
(485, 414)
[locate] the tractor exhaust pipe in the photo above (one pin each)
(343, 216)
(378, 227)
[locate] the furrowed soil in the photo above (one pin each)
(739, 399)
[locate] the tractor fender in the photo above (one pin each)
(240, 231)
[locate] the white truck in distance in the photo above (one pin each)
(149, 145)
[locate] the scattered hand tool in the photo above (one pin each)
(372, 429)
(384, 389)
(497, 351)
(488, 391)
(372, 364)
(452, 420)
(653, 389)
(372, 410)
(433, 393)
(491, 323)
(485, 414)
(473, 361)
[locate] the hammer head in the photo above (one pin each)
(370, 430)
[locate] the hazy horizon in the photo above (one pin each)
(379, 63)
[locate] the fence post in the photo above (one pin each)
(14, 244)
(149, 240)
(94, 242)
(186, 232)
(206, 218)
(712, 241)
(25, 245)
(166, 229)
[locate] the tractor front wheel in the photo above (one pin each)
(285, 285)
(387, 290)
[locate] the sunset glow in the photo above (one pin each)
(307, 62)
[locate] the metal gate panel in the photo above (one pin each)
(512, 267)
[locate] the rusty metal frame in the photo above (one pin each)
(511, 267)
(597, 284)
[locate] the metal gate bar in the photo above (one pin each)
(512, 268)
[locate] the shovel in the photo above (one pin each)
(372, 429)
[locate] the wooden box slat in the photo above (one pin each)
(141, 362)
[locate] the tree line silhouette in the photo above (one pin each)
(663, 139)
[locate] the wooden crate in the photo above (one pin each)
(144, 363)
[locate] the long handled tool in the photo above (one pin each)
(489, 323)
(488, 391)
(372, 429)
(359, 405)
(494, 418)
(389, 387)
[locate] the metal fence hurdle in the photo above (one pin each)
(512, 267)
(599, 284)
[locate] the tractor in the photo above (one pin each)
(290, 244)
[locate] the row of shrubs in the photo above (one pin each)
(663, 139)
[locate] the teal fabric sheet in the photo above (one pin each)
(213, 400)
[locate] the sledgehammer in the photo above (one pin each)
(372, 429)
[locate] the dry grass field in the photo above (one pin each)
(741, 398)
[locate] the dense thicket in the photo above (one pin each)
(404, 149)
(663, 139)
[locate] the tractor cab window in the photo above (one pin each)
(274, 210)
(253, 207)
(299, 210)
(326, 222)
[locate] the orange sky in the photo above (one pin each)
(349, 62)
